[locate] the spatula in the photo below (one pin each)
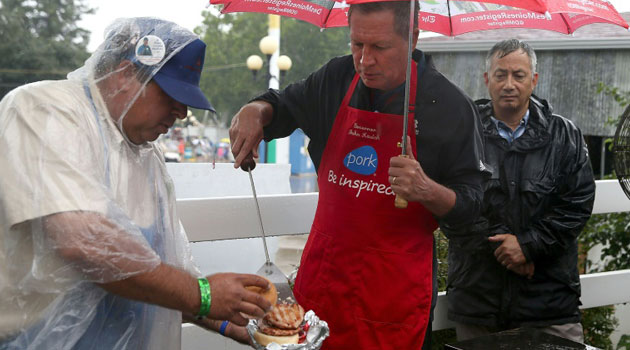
(269, 270)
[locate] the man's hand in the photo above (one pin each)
(230, 298)
(246, 130)
(409, 181)
(509, 253)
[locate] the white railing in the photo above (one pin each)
(292, 214)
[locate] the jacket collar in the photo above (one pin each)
(537, 132)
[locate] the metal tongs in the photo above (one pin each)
(269, 270)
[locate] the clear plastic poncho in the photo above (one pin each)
(80, 204)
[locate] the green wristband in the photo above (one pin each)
(206, 298)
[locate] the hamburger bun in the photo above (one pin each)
(270, 294)
(264, 339)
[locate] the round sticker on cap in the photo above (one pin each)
(150, 50)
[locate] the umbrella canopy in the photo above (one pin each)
(330, 13)
(451, 17)
(322, 13)
(464, 16)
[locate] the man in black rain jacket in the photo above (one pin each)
(517, 265)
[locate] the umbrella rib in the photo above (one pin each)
(569, 29)
(450, 19)
(325, 21)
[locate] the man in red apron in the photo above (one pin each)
(367, 267)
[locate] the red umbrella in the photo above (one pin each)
(451, 17)
(464, 17)
(324, 14)
(331, 13)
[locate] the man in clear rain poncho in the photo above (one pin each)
(92, 253)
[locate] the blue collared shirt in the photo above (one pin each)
(507, 133)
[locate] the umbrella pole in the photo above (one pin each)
(408, 78)
(400, 202)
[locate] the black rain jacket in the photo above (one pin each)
(541, 190)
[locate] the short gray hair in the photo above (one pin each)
(506, 47)
(399, 8)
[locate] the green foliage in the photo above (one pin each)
(624, 343)
(611, 231)
(444, 336)
(309, 47)
(40, 40)
(441, 250)
(232, 38)
(599, 323)
(620, 96)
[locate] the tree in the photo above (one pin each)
(40, 40)
(231, 38)
(309, 47)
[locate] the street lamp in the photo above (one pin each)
(284, 64)
(254, 63)
(268, 46)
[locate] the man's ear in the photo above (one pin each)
(485, 78)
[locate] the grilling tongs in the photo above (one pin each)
(269, 270)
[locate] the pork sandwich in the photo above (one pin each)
(282, 325)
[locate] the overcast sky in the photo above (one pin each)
(186, 13)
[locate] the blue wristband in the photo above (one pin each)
(223, 327)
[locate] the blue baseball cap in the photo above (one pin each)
(179, 77)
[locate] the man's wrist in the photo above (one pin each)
(193, 300)
(439, 199)
(265, 111)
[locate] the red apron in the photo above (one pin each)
(367, 266)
